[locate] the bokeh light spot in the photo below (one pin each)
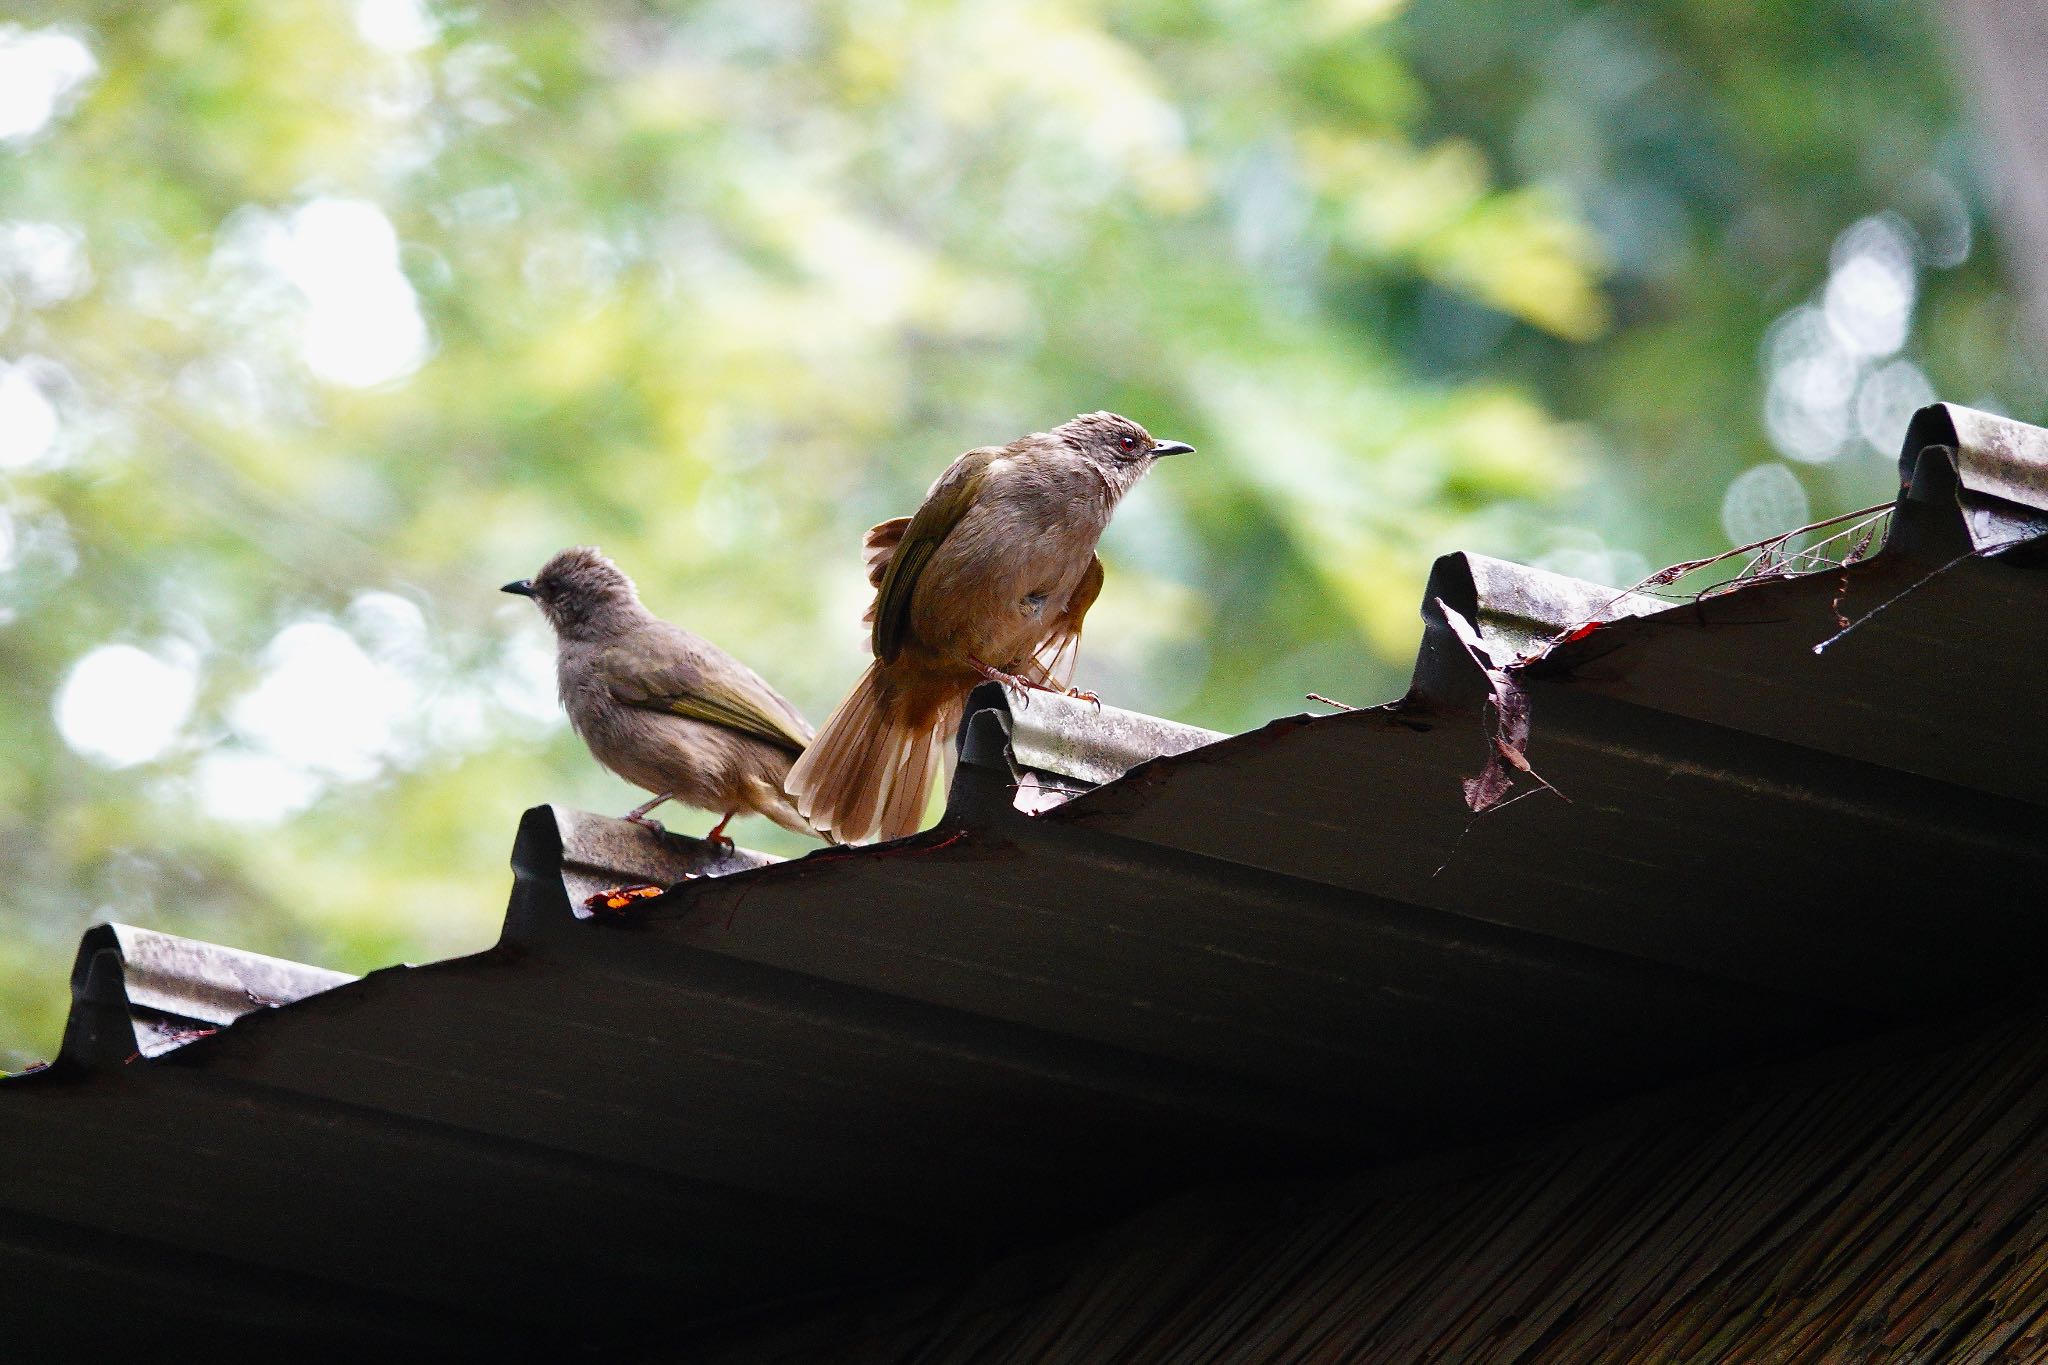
(1887, 400)
(395, 25)
(325, 705)
(1763, 501)
(121, 705)
(252, 789)
(28, 420)
(1869, 297)
(39, 69)
(43, 263)
(363, 325)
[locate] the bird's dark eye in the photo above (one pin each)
(1129, 443)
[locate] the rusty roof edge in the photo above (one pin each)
(1987, 475)
(1516, 610)
(1997, 470)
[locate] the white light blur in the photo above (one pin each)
(490, 206)
(393, 627)
(871, 274)
(399, 94)
(28, 420)
(1818, 358)
(475, 77)
(363, 325)
(39, 69)
(1762, 502)
(458, 718)
(39, 546)
(523, 684)
(1812, 377)
(1887, 400)
(43, 263)
(396, 25)
(1869, 296)
(252, 789)
(1579, 553)
(324, 705)
(120, 705)
(225, 388)
(7, 540)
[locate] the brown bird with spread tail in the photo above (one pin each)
(662, 708)
(991, 579)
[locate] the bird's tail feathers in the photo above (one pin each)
(869, 772)
(770, 800)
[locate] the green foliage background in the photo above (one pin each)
(718, 285)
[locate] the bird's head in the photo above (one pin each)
(1117, 446)
(579, 590)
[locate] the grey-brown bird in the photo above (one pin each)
(662, 708)
(991, 579)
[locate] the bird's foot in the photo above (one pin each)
(717, 838)
(638, 815)
(1082, 694)
(1021, 685)
(622, 899)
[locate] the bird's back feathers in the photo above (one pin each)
(662, 667)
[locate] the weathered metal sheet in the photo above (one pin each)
(2000, 468)
(1086, 742)
(208, 984)
(601, 854)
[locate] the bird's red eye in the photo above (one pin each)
(1127, 442)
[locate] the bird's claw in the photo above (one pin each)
(1022, 686)
(646, 822)
(1082, 694)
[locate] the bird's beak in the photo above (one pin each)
(1172, 448)
(523, 588)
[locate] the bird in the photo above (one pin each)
(991, 579)
(665, 709)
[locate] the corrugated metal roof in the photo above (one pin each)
(1882, 1205)
(1282, 952)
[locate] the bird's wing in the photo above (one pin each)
(943, 507)
(876, 551)
(879, 547)
(1053, 663)
(685, 676)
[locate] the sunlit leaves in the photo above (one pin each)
(1434, 211)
